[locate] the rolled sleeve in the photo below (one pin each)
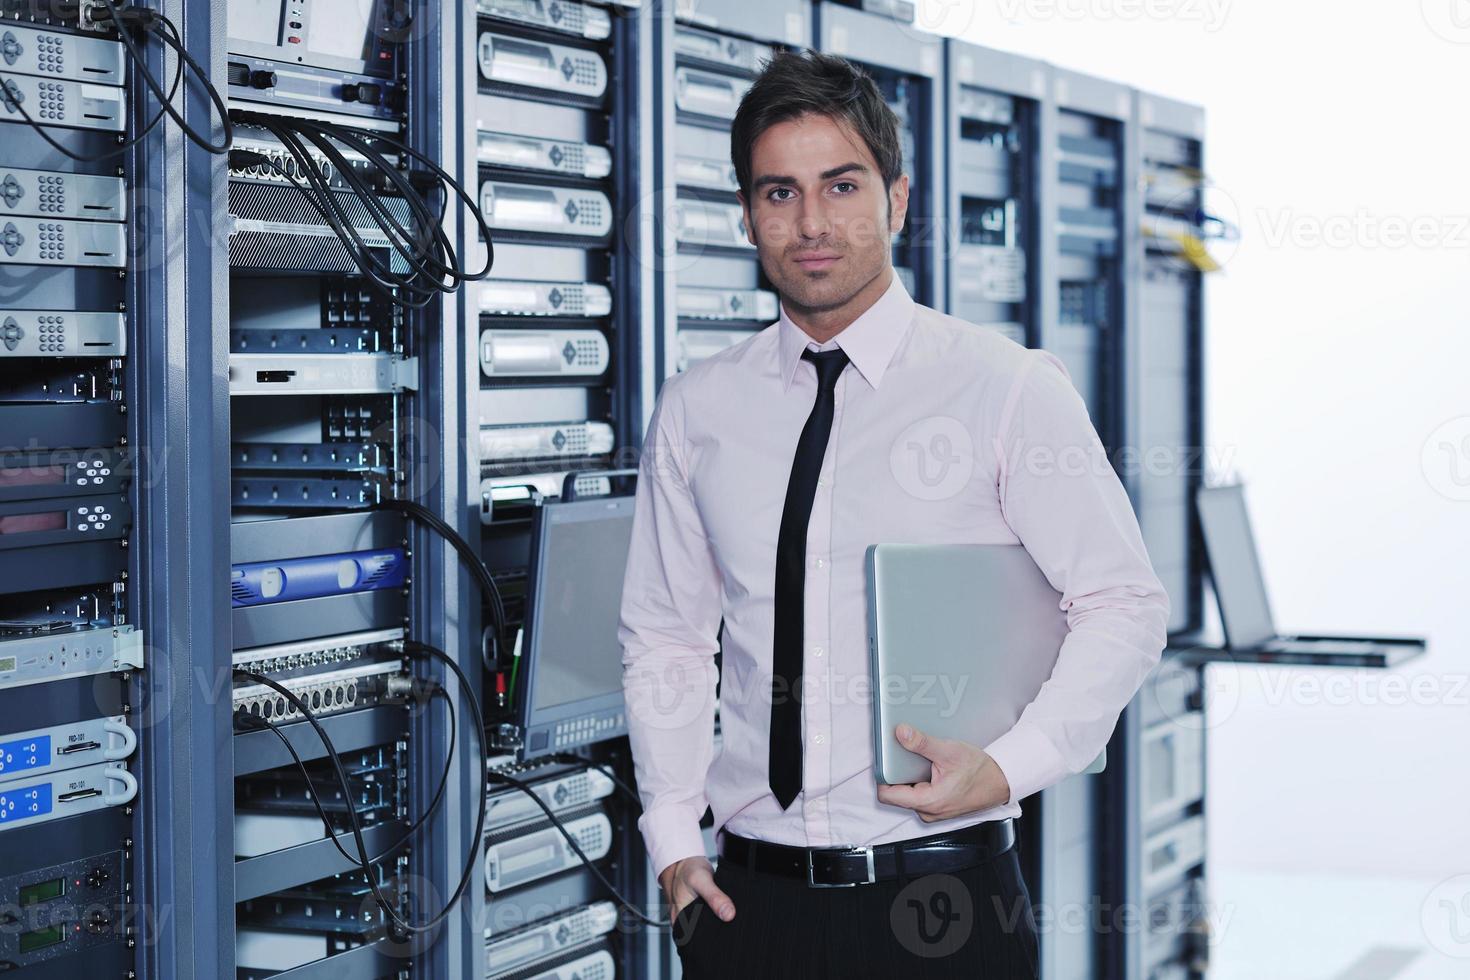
(1062, 499)
(668, 630)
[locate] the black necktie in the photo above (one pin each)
(784, 768)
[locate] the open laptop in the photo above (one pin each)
(1245, 607)
(960, 639)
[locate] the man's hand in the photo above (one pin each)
(965, 779)
(690, 877)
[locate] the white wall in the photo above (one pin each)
(1339, 342)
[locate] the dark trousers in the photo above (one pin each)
(976, 923)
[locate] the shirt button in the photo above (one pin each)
(819, 738)
(821, 563)
(821, 481)
(817, 651)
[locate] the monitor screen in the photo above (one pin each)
(581, 551)
(1235, 567)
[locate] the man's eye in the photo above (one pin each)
(844, 186)
(780, 190)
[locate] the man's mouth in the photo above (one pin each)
(816, 261)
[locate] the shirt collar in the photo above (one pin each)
(869, 341)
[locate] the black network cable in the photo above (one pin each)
(425, 249)
(472, 561)
(323, 199)
(416, 650)
(146, 18)
(248, 720)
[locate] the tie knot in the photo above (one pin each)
(829, 364)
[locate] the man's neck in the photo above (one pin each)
(822, 324)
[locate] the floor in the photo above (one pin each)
(1270, 926)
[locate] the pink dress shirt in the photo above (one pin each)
(944, 432)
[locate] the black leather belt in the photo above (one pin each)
(839, 867)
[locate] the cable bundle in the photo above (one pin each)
(422, 248)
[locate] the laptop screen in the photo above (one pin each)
(1235, 567)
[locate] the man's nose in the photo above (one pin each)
(813, 221)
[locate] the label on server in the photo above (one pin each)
(52, 54)
(76, 105)
(538, 64)
(41, 241)
(61, 333)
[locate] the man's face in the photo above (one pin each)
(818, 213)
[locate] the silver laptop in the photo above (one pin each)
(1240, 588)
(960, 640)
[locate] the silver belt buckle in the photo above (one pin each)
(871, 879)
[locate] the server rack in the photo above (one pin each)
(336, 388)
(993, 266)
(908, 66)
(1157, 801)
(558, 394)
(76, 262)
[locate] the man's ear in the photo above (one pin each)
(745, 216)
(898, 203)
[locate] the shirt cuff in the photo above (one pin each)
(671, 833)
(1028, 759)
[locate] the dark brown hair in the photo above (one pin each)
(793, 85)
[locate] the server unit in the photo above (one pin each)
(993, 268)
(69, 639)
(908, 66)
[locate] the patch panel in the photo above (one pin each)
(327, 693)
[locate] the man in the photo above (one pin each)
(859, 417)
